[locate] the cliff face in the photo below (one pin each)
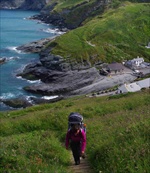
(72, 17)
(22, 4)
(60, 14)
(65, 14)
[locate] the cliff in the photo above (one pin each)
(67, 13)
(71, 15)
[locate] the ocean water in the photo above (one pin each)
(15, 30)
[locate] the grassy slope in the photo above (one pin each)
(67, 4)
(118, 135)
(116, 35)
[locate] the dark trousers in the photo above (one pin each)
(76, 150)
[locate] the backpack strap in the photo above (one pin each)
(71, 133)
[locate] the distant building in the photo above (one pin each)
(134, 63)
(148, 47)
(134, 87)
(137, 61)
(115, 68)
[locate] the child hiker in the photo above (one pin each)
(76, 138)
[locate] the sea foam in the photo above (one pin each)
(53, 31)
(30, 81)
(49, 97)
(7, 96)
(13, 48)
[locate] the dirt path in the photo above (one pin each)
(82, 168)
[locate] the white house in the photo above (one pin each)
(137, 61)
(148, 47)
(134, 63)
(133, 87)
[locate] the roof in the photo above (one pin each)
(137, 59)
(144, 83)
(123, 88)
(136, 86)
(133, 87)
(115, 66)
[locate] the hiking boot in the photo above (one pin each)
(77, 162)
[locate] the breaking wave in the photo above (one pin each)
(7, 96)
(53, 31)
(12, 58)
(49, 97)
(30, 81)
(34, 81)
(13, 48)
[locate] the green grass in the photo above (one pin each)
(117, 35)
(118, 130)
(67, 4)
(33, 152)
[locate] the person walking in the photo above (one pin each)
(76, 138)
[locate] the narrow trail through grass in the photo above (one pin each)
(84, 166)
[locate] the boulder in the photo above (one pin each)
(17, 102)
(23, 102)
(34, 47)
(2, 60)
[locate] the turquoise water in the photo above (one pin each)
(16, 30)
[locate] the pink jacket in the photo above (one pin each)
(79, 137)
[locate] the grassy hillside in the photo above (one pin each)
(118, 135)
(116, 35)
(69, 4)
(66, 4)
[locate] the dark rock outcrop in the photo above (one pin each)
(22, 4)
(23, 102)
(33, 5)
(34, 47)
(73, 17)
(2, 60)
(17, 102)
(59, 82)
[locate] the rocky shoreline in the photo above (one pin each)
(24, 102)
(34, 47)
(61, 78)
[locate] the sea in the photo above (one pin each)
(17, 29)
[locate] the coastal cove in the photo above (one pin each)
(16, 30)
(71, 64)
